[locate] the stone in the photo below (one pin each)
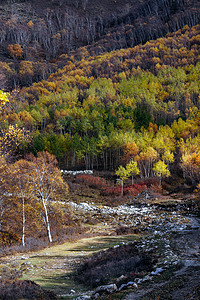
(147, 277)
(130, 283)
(122, 276)
(82, 298)
(139, 280)
(157, 271)
(110, 288)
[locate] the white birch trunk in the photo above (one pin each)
(47, 221)
(1, 212)
(23, 223)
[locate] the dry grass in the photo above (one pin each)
(51, 268)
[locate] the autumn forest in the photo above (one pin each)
(94, 110)
(111, 87)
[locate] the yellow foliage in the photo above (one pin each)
(3, 97)
(11, 138)
(30, 24)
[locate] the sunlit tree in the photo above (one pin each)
(161, 170)
(133, 169)
(3, 97)
(45, 181)
(11, 139)
(123, 175)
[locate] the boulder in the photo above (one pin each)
(83, 298)
(130, 283)
(109, 289)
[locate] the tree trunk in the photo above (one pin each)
(122, 189)
(23, 223)
(1, 212)
(47, 221)
(160, 181)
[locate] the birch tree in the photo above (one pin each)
(45, 182)
(3, 168)
(21, 188)
(123, 175)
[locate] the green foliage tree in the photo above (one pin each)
(123, 175)
(132, 168)
(161, 170)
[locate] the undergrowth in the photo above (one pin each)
(106, 266)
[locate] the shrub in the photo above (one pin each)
(8, 238)
(111, 191)
(105, 266)
(132, 190)
(91, 181)
(123, 230)
(31, 244)
(24, 289)
(149, 181)
(156, 188)
(135, 189)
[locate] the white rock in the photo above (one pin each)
(122, 276)
(127, 284)
(146, 278)
(110, 288)
(82, 298)
(138, 280)
(157, 271)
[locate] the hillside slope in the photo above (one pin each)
(42, 30)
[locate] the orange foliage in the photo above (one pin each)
(130, 151)
(15, 51)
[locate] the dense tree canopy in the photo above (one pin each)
(102, 111)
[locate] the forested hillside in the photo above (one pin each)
(34, 33)
(89, 112)
(97, 110)
(138, 104)
(112, 87)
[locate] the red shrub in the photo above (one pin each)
(149, 181)
(132, 190)
(112, 191)
(91, 181)
(156, 188)
(135, 189)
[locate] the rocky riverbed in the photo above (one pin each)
(171, 234)
(175, 238)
